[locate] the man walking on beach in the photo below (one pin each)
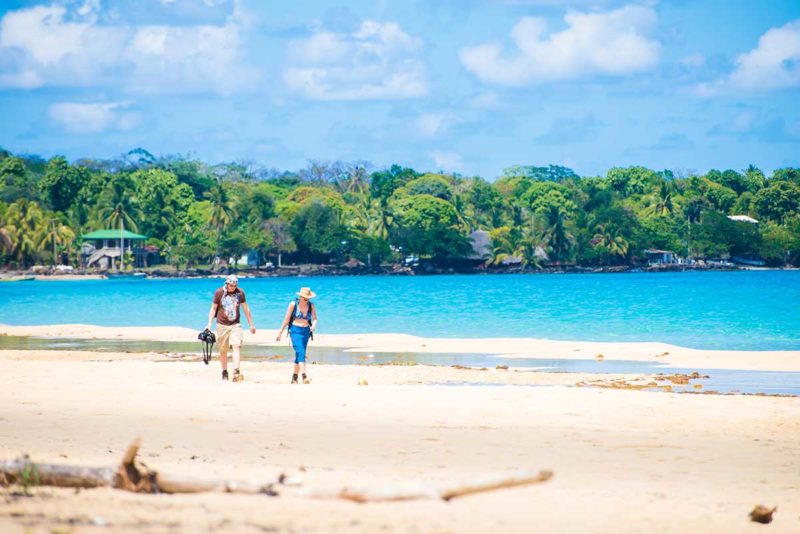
(225, 307)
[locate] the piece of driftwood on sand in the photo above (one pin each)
(132, 475)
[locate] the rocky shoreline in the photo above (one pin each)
(333, 270)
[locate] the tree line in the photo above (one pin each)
(334, 211)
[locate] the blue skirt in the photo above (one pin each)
(299, 336)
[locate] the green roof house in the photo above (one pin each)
(102, 248)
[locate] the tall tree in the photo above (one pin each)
(661, 201)
(558, 238)
(223, 211)
(282, 241)
(120, 209)
(25, 224)
(428, 226)
(610, 238)
(57, 234)
(61, 183)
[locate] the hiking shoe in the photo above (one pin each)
(237, 376)
(294, 379)
(225, 374)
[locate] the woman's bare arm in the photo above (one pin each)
(285, 320)
(314, 317)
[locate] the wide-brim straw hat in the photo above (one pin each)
(306, 293)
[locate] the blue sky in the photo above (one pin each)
(468, 86)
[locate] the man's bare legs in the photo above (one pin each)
(236, 356)
(237, 375)
(223, 360)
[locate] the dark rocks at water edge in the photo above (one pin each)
(422, 269)
(394, 269)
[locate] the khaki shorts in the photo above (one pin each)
(229, 336)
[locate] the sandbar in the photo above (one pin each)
(662, 353)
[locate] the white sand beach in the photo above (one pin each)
(623, 461)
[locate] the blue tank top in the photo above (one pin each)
(299, 314)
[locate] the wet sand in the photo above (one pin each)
(663, 353)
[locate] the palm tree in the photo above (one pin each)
(24, 228)
(223, 210)
(556, 236)
(609, 236)
(57, 233)
(119, 207)
(353, 178)
(7, 234)
(662, 200)
(461, 206)
(508, 242)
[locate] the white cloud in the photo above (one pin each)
(20, 80)
(613, 43)
(42, 33)
(93, 117)
(759, 124)
(486, 100)
(89, 7)
(693, 61)
(588, 3)
(447, 161)
(432, 124)
(743, 121)
(377, 61)
(56, 46)
(570, 130)
(773, 65)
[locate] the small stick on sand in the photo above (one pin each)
(479, 485)
(521, 478)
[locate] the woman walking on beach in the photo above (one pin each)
(301, 318)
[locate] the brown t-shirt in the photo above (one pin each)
(228, 305)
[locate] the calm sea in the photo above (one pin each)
(753, 310)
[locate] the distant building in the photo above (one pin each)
(749, 261)
(251, 259)
(512, 261)
(481, 245)
(742, 218)
(102, 249)
(541, 254)
(660, 257)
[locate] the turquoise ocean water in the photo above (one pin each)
(747, 310)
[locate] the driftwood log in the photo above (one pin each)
(132, 475)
